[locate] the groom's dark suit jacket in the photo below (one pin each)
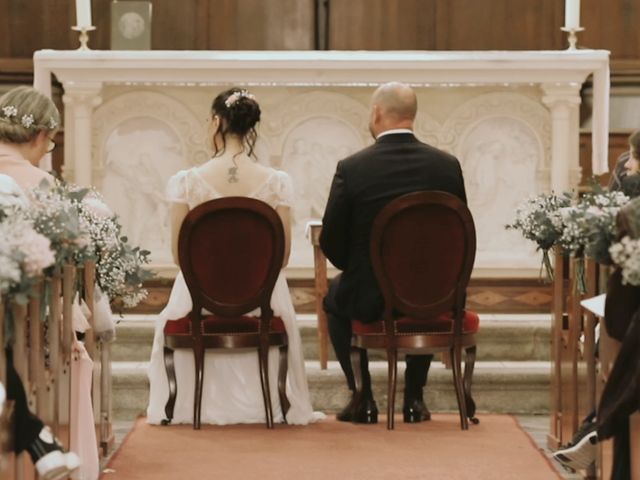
(363, 184)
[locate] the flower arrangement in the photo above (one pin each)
(585, 226)
(120, 269)
(59, 223)
(626, 254)
(24, 254)
(538, 219)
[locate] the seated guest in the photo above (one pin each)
(622, 301)
(396, 164)
(624, 176)
(621, 395)
(28, 122)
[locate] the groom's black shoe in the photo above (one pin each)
(363, 411)
(415, 411)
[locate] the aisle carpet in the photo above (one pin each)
(495, 449)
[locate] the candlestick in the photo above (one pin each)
(84, 36)
(573, 38)
(572, 14)
(83, 13)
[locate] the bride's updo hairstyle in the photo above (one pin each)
(239, 113)
(24, 113)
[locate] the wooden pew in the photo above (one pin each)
(572, 348)
(100, 353)
(4, 424)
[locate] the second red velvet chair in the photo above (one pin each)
(423, 247)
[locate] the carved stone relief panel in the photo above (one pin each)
(140, 140)
(143, 135)
(308, 135)
(502, 141)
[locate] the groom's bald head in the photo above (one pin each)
(393, 105)
(396, 100)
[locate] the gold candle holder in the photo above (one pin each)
(573, 37)
(84, 36)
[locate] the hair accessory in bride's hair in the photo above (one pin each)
(10, 114)
(234, 97)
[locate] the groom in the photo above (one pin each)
(396, 164)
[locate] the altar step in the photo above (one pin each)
(513, 337)
(498, 387)
(511, 375)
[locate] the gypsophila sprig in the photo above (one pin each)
(626, 254)
(56, 216)
(119, 267)
(600, 213)
(538, 219)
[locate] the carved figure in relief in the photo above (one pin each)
(141, 154)
(500, 157)
(310, 154)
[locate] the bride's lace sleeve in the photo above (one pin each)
(177, 188)
(285, 190)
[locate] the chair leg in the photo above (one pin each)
(263, 360)
(169, 366)
(469, 363)
(282, 381)
(456, 361)
(198, 353)
(392, 359)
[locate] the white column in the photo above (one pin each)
(79, 101)
(563, 101)
(42, 83)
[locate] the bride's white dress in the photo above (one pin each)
(231, 392)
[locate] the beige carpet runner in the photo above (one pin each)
(495, 449)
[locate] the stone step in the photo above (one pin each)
(498, 387)
(501, 338)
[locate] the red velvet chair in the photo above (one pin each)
(422, 250)
(230, 251)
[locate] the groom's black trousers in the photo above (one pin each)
(340, 333)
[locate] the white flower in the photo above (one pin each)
(52, 124)
(234, 97)
(97, 207)
(37, 252)
(27, 120)
(626, 254)
(10, 111)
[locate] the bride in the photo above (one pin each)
(231, 392)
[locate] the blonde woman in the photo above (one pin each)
(28, 122)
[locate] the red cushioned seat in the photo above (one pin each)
(442, 324)
(214, 324)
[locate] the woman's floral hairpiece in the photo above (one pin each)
(234, 97)
(10, 114)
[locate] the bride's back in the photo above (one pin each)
(239, 176)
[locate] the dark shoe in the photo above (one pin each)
(415, 411)
(365, 411)
(346, 414)
(51, 462)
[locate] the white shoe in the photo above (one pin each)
(580, 455)
(57, 465)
